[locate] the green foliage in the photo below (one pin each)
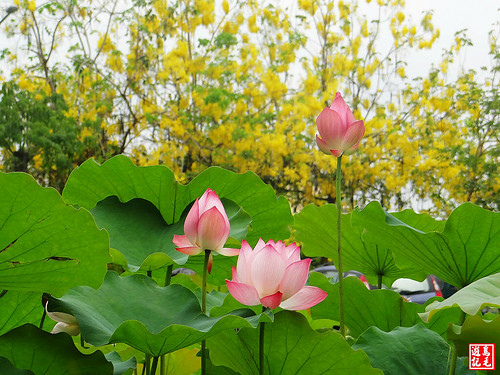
(170, 320)
(120, 367)
(315, 229)
(28, 347)
(384, 309)
(290, 345)
(475, 330)
(137, 230)
(225, 40)
(407, 350)
(464, 251)
(38, 136)
(18, 308)
(92, 183)
(45, 245)
(239, 88)
(471, 299)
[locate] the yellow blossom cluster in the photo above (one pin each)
(197, 83)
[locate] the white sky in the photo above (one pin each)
(477, 16)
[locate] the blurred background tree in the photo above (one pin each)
(38, 137)
(238, 84)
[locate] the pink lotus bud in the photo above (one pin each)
(66, 322)
(273, 275)
(339, 132)
(206, 228)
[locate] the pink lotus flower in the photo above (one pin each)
(273, 275)
(340, 132)
(206, 228)
(65, 322)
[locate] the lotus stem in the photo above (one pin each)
(147, 361)
(379, 284)
(204, 310)
(261, 346)
(168, 278)
(454, 355)
(43, 319)
(204, 283)
(154, 365)
(338, 201)
(163, 368)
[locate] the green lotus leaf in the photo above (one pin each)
(291, 346)
(122, 356)
(137, 229)
(240, 221)
(187, 281)
(316, 229)
(18, 308)
(407, 350)
(441, 320)
(30, 348)
(215, 299)
(119, 366)
(183, 362)
(364, 308)
(471, 299)
(9, 369)
(221, 269)
(423, 222)
(466, 249)
(219, 370)
(91, 183)
(46, 246)
(475, 330)
(136, 311)
(230, 304)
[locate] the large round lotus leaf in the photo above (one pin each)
(423, 222)
(441, 320)
(464, 251)
(119, 366)
(239, 220)
(475, 330)
(291, 346)
(316, 229)
(91, 183)
(136, 311)
(18, 308)
(407, 350)
(230, 304)
(45, 245)
(137, 229)
(9, 369)
(182, 362)
(363, 308)
(30, 348)
(471, 299)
